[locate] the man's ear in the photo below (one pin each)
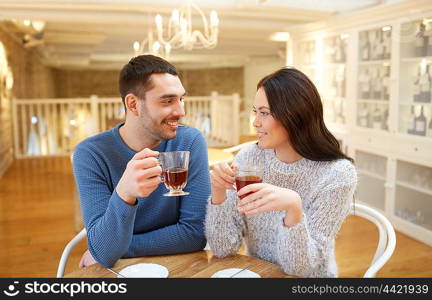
(131, 102)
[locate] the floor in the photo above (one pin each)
(37, 220)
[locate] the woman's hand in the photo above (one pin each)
(222, 179)
(266, 197)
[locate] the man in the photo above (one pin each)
(118, 175)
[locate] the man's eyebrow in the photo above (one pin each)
(261, 107)
(171, 96)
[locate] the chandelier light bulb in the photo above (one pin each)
(136, 46)
(181, 32)
(38, 25)
(158, 21)
(156, 47)
(175, 16)
(214, 20)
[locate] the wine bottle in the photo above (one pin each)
(330, 50)
(385, 119)
(312, 53)
(366, 47)
(428, 35)
(377, 118)
(411, 121)
(340, 81)
(377, 84)
(420, 123)
(333, 87)
(429, 132)
(420, 46)
(373, 43)
(364, 79)
(387, 44)
(364, 116)
(416, 87)
(428, 95)
(425, 86)
(385, 84)
(338, 50)
(380, 44)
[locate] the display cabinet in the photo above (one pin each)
(307, 58)
(413, 194)
(323, 60)
(374, 74)
(333, 83)
(373, 78)
(415, 106)
(372, 176)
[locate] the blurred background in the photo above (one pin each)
(370, 60)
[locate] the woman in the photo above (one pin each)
(292, 218)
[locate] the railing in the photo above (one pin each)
(216, 116)
(44, 127)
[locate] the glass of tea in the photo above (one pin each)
(174, 171)
(248, 174)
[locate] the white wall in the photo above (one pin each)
(255, 69)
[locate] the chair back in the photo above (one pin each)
(67, 250)
(387, 237)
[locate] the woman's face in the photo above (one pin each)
(270, 132)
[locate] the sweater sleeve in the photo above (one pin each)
(187, 235)
(225, 226)
(302, 247)
(108, 219)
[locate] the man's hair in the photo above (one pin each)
(135, 75)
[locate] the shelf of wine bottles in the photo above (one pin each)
(307, 51)
(333, 84)
(373, 83)
(375, 44)
(415, 110)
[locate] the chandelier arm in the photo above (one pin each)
(205, 42)
(180, 33)
(204, 19)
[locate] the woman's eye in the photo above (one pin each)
(264, 113)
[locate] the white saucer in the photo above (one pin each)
(227, 273)
(145, 270)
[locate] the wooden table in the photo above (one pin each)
(201, 264)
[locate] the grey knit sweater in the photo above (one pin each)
(305, 249)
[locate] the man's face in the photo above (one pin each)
(162, 107)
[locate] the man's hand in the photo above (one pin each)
(141, 177)
(86, 260)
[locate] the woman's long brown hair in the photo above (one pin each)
(295, 102)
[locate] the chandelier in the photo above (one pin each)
(180, 32)
(151, 46)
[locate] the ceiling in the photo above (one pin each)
(96, 34)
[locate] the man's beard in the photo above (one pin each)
(161, 131)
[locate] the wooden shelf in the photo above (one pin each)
(370, 174)
(375, 62)
(373, 101)
(417, 59)
(414, 187)
(415, 103)
(334, 64)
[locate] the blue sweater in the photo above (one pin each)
(156, 224)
